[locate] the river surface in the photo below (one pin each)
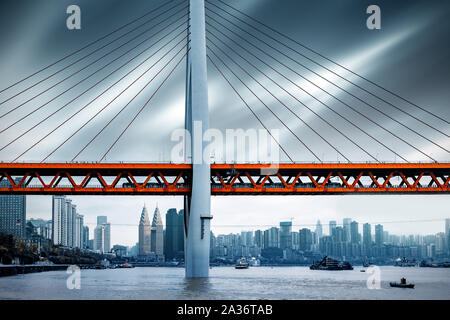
(228, 283)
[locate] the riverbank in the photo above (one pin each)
(12, 270)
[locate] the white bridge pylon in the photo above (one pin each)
(197, 214)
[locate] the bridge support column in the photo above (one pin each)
(197, 205)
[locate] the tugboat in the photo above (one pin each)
(402, 284)
(241, 264)
(331, 264)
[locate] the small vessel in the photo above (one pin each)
(126, 265)
(241, 264)
(362, 270)
(331, 264)
(402, 284)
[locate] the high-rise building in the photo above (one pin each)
(174, 235)
(379, 235)
(354, 232)
(285, 234)
(144, 234)
(338, 234)
(259, 238)
(447, 235)
(272, 238)
(79, 243)
(367, 235)
(59, 218)
(157, 235)
(305, 239)
(332, 225)
(86, 237)
(102, 219)
(346, 225)
(247, 238)
(102, 235)
(319, 230)
(67, 224)
(13, 212)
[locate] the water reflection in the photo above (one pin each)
(197, 286)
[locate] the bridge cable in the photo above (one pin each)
(267, 107)
(281, 102)
(327, 92)
(101, 110)
(85, 78)
(340, 88)
(251, 110)
(91, 53)
(120, 111)
(333, 62)
(86, 46)
(101, 80)
(109, 103)
(315, 98)
(312, 96)
(145, 104)
(282, 88)
(65, 121)
(92, 63)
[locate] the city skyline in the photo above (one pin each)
(125, 232)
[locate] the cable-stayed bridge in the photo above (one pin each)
(261, 66)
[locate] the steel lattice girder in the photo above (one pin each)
(226, 179)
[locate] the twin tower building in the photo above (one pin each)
(151, 236)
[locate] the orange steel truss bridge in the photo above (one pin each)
(226, 179)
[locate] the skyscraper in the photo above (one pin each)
(86, 237)
(102, 219)
(144, 234)
(102, 235)
(174, 236)
(332, 225)
(447, 234)
(259, 238)
(12, 212)
(367, 235)
(272, 238)
(285, 234)
(67, 224)
(305, 239)
(379, 234)
(319, 230)
(354, 232)
(59, 220)
(157, 235)
(346, 225)
(247, 238)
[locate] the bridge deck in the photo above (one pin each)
(226, 179)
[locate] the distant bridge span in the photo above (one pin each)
(226, 179)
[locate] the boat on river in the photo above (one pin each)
(331, 265)
(402, 284)
(242, 264)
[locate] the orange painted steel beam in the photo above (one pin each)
(226, 179)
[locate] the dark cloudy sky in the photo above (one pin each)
(409, 55)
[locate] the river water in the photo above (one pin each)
(228, 283)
